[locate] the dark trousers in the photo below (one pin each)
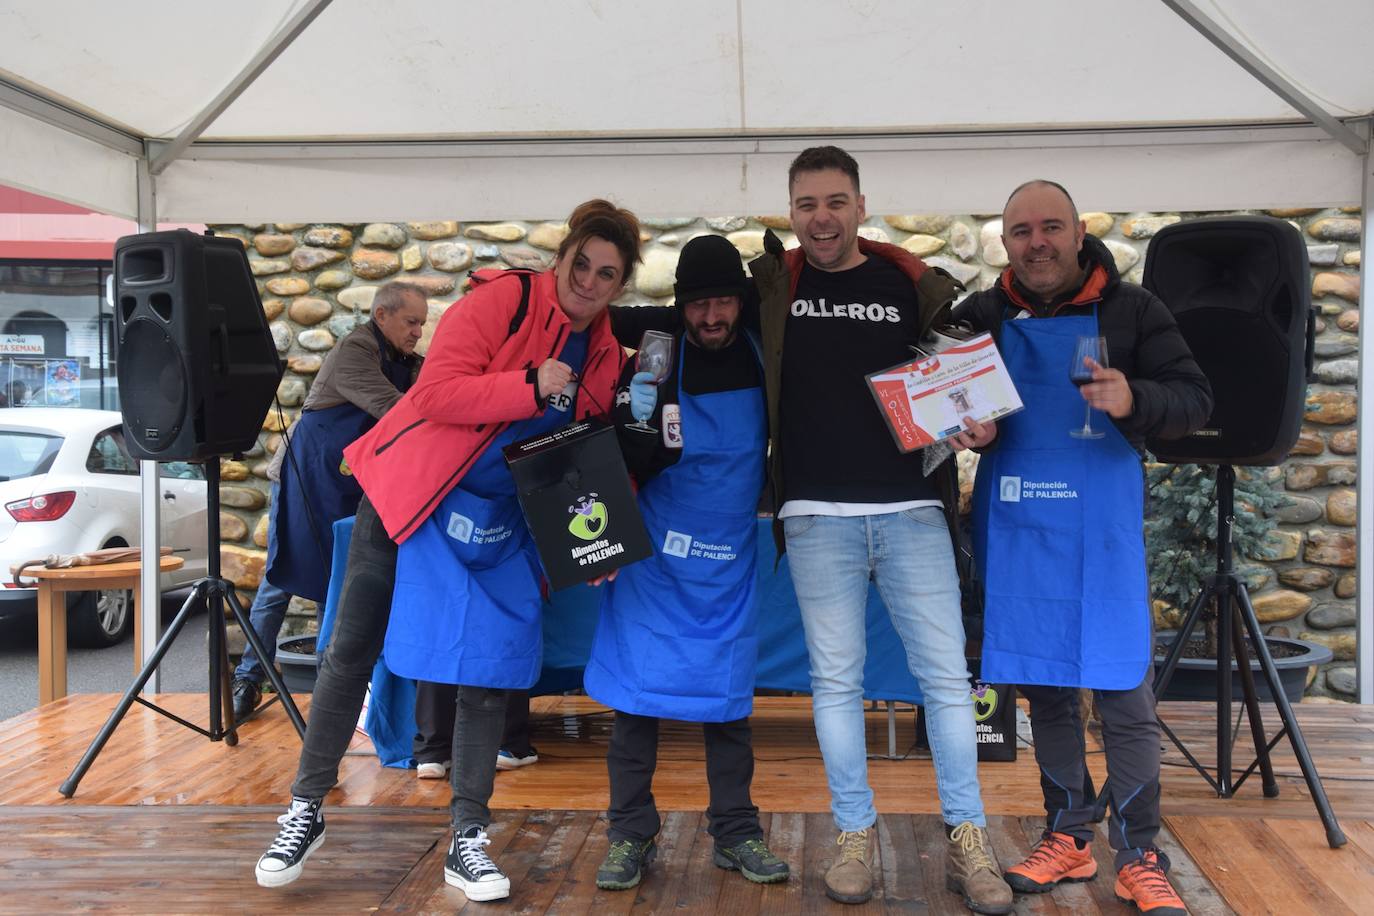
(1131, 737)
(436, 708)
(356, 642)
(631, 761)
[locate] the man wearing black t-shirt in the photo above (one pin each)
(853, 508)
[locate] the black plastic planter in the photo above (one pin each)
(1196, 678)
(296, 659)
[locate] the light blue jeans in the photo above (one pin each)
(909, 556)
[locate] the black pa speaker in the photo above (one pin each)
(1238, 287)
(197, 365)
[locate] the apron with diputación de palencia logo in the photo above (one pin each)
(1059, 529)
(467, 608)
(677, 633)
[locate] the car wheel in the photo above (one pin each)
(96, 620)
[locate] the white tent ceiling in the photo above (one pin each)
(401, 108)
(358, 110)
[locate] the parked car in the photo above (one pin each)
(68, 485)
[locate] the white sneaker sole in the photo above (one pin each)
(515, 763)
(479, 890)
(431, 771)
(286, 875)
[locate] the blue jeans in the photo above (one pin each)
(266, 614)
(909, 556)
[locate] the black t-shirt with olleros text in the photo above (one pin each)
(842, 326)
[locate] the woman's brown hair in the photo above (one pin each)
(604, 220)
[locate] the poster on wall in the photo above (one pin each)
(62, 383)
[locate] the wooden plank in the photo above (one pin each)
(541, 883)
(701, 884)
(903, 889)
(1187, 878)
(572, 732)
(1239, 859)
(195, 859)
(787, 840)
(1347, 872)
(658, 891)
(579, 893)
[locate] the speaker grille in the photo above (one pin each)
(152, 384)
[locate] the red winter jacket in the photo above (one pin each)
(476, 381)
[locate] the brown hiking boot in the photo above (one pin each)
(973, 872)
(1145, 884)
(850, 879)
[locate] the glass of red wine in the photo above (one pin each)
(1087, 348)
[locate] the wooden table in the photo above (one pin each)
(53, 584)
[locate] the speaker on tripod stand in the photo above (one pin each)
(1238, 288)
(197, 373)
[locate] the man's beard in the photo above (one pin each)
(715, 343)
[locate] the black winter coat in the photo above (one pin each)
(1172, 396)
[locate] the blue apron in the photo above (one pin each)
(466, 607)
(314, 492)
(1059, 529)
(677, 632)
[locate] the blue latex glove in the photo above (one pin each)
(643, 395)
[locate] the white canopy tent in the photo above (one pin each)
(362, 110)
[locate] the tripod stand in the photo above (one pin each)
(1234, 611)
(209, 595)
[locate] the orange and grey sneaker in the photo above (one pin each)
(1144, 883)
(1055, 858)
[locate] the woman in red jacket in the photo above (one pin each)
(521, 354)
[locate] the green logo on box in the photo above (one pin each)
(589, 517)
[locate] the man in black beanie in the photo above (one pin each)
(677, 633)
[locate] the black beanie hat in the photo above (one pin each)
(709, 267)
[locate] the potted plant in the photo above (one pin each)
(1181, 550)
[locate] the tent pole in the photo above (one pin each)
(245, 77)
(1271, 78)
(1364, 476)
(150, 509)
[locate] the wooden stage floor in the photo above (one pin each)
(169, 822)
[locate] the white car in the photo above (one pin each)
(68, 485)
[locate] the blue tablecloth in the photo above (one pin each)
(570, 622)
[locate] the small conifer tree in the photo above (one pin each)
(1181, 530)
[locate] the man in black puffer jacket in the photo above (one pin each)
(1058, 515)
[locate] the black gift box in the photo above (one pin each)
(578, 502)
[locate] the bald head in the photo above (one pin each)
(1042, 183)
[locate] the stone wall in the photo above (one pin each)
(317, 282)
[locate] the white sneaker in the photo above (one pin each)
(431, 770)
(505, 760)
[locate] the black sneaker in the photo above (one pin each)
(471, 870)
(302, 830)
(625, 863)
(247, 694)
(753, 860)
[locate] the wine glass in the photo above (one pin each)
(1094, 348)
(655, 356)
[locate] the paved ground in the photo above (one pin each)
(186, 667)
